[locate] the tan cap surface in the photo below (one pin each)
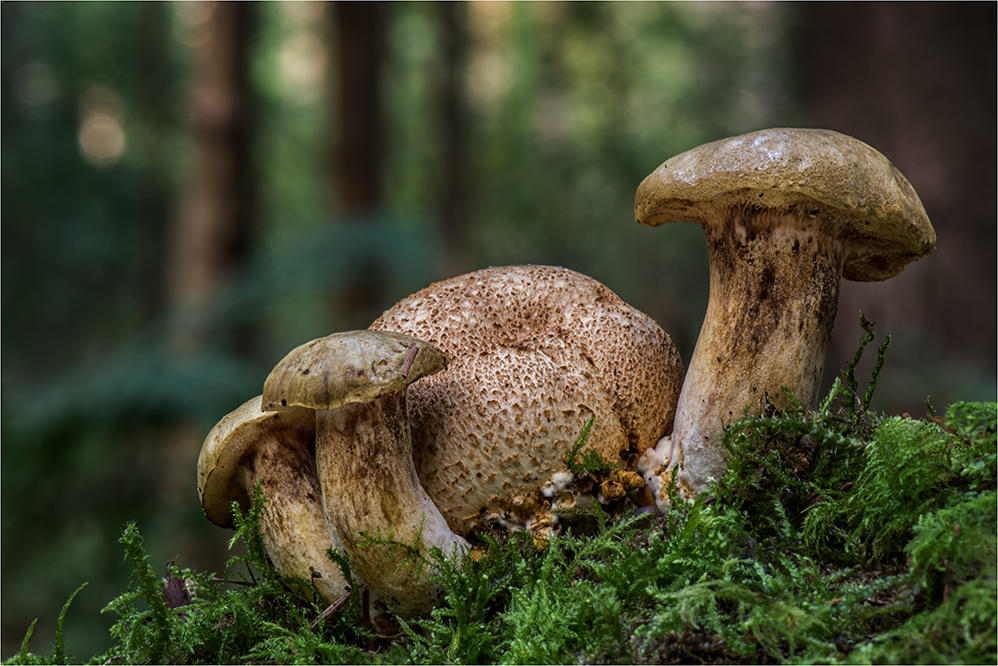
(822, 177)
(536, 351)
(349, 367)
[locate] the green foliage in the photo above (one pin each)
(954, 545)
(59, 651)
(247, 530)
(850, 373)
(257, 616)
(852, 483)
(192, 617)
(517, 603)
(960, 630)
(897, 542)
(144, 633)
(457, 631)
(591, 460)
(733, 576)
(59, 655)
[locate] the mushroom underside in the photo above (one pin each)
(249, 448)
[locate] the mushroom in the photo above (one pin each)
(387, 525)
(273, 448)
(787, 213)
(535, 352)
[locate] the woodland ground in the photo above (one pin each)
(837, 536)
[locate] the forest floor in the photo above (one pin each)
(836, 536)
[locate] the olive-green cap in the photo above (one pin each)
(349, 367)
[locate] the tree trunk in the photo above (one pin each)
(212, 230)
(359, 28)
(454, 177)
(917, 82)
(211, 233)
(358, 147)
(151, 43)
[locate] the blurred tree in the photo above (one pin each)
(88, 119)
(358, 143)
(212, 230)
(212, 233)
(918, 82)
(154, 105)
(359, 36)
(451, 100)
(86, 181)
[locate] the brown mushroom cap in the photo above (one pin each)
(825, 177)
(349, 367)
(231, 441)
(536, 351)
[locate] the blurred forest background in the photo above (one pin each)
(191, 189)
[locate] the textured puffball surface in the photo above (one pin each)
(535, 352)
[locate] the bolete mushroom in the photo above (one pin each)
(387, 525)
(273, 448)
(535, 352)
(787, 213)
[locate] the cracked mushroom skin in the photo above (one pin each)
(273, 448)
(786, 213)
(356, 382)
(535, 352)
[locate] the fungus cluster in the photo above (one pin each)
(511, 363)
(356, 384)
(456, 411)
(250, 446)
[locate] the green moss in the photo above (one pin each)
(579, 461)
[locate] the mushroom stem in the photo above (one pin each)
(292, 523)
(372, 495)
(774, 286)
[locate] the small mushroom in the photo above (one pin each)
(535, 352)
(356, 383)
(787, 213)
(273, 448)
